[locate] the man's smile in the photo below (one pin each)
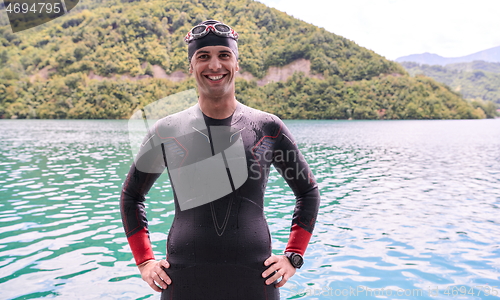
(215, 77)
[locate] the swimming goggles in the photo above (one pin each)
(202, 30)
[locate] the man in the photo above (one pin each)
(218, 155)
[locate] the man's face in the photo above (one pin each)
(214, 68)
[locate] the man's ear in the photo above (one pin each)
(190, 67)
(237, 66)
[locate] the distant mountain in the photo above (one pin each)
(478, 81)
(489, 55)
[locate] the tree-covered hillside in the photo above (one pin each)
(476, 65)
(100, 61)
(478, 81)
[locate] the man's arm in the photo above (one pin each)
(145, 170)
(136, 186)
(291, 164)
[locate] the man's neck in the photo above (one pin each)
(218, 108)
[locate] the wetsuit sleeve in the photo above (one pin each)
(147, 167)
(290, 163)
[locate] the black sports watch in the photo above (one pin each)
(295, 259)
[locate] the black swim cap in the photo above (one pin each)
(211, 39)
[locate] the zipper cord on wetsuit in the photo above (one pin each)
(212, 208)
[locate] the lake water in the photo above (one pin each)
(410, 210)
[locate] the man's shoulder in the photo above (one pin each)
(260, 116)
(188, 112)
(267, 124)
(177, 123)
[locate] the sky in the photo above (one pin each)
(395, 28)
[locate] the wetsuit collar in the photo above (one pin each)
(237, 114)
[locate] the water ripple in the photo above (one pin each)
(406, 206)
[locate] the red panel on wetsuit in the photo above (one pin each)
(141, 246)
(299, 239)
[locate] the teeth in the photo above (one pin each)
(215, 78)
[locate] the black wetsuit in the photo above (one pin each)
(217, 249)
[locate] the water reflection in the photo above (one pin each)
(408, 205)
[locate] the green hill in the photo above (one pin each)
(103, 60)
(477, 81)
(476, 65)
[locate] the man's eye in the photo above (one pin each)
(224, 55)
(203, 56)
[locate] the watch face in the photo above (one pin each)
(297, 261)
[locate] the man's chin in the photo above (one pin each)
(217, 93)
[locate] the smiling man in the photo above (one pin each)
(213, 56)
(218, 155)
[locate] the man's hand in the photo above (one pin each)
(283, 268)
(153, 273)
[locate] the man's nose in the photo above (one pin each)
(214, 64)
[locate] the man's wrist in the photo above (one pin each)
(295, 259)
(145, 263)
